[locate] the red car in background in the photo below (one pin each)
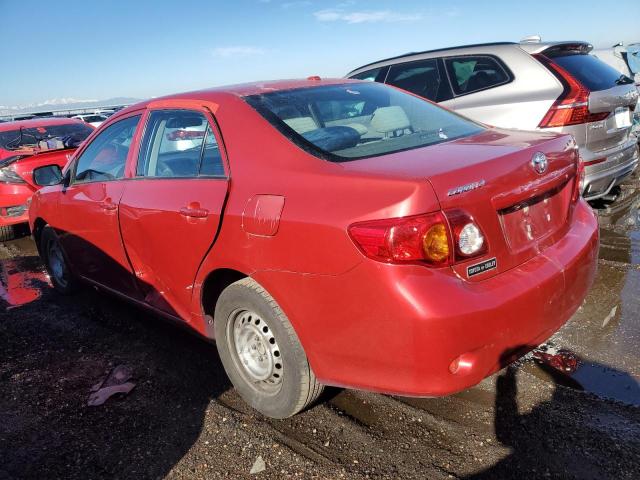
(25, 145)
(326, 233)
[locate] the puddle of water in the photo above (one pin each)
(566, 368)
(620, 227)
(22, 281)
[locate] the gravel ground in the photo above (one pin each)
(183, 420)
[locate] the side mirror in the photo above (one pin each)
(47, 175)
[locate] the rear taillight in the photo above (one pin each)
(432, 239)
(469, 240)
(572, 106)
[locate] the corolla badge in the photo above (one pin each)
(539, 162)
(466, 188)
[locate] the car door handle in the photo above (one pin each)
(106, 205)
(194, 212)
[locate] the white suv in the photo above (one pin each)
(551, 86)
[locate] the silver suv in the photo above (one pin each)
(553, 86)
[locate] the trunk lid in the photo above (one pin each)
(491, 177)
(620, 102)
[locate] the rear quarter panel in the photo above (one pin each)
(321, 199)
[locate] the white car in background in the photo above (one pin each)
(625, 59)
(91, 119)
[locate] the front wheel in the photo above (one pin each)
(55, 261)
(261, 352)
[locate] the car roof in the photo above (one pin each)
(529, 47)
(217, 94)
(36, 122)
(424, 52)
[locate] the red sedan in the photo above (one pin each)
(25, 145)
(327, 233)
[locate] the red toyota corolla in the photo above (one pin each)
(326, 233)
(25, 145)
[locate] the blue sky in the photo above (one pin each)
(97, 49)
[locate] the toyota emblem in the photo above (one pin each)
(539, 162)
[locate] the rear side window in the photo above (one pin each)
(105, 157)
(178, 143)
(369, 75)
(474, 73)
(592, 72)
(422, 78)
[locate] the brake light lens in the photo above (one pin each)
(432, 239)
(572, 106)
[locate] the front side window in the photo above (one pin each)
(105, 157)
(179, 143)
(421, 78)
(380, 120)
(474, 73)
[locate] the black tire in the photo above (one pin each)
(297, 387)
(7, 232)
(56, 263)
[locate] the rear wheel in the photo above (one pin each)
(261, 352)
(7, 232)
(55, 261)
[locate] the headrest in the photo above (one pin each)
(302, 124)
(389, 119)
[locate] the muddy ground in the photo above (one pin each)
(183, 420)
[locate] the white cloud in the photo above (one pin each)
(371, 16)
(237, 51)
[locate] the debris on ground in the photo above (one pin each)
(562, 360)
(258, 466)
(116, 382)
(608, 318)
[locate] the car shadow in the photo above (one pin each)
(568, 436)
(54, 349)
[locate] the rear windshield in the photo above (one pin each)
(71, 135)
(592, 72)
(359, 120)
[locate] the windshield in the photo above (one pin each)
(71, 135)
(352, 121)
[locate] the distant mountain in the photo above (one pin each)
(64, 104)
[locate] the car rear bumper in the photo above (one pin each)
(14, 204)
(602, 177)
(399, 329)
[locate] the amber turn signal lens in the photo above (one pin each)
(436, 244)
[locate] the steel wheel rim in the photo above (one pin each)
(255, 351)
(57, 265)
